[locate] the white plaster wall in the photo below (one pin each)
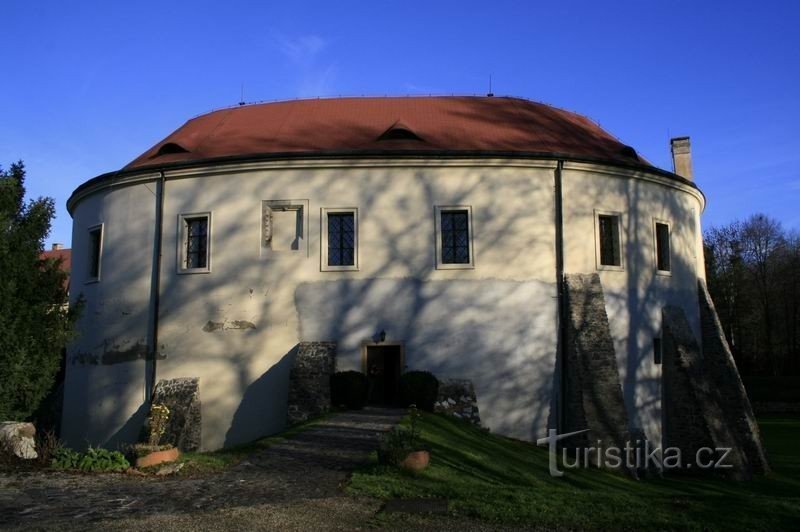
(495, 324)
(635, 295)
(106, 369)
(509, 295)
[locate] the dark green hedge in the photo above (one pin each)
(419, 388)
(349, 389)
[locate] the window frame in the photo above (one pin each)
(183, 236)
(323, 264)
(89, 277)
(656, 223)
(437, 213)
(598, 255)
(293, 205)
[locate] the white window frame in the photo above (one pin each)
(182, 238)
(608, 267)
(285, 205)
(440, 264)
(656, 221)
(324, 212)
(89, 231)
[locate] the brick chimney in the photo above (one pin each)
(682, 157)
(57, 246)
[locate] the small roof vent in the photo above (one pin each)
(399, 131)
(627, 151)
(169, 148)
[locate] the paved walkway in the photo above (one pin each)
(309, 466)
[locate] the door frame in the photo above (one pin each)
(365, 348)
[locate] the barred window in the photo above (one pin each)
(341, 239)
(608, 228)
(197, 242)
(194, 252)
(455, 237)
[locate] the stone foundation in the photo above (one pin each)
(457, 398)
(593, 396)
(310, 381)
(705, 404)
(182, 397)
(686, 398)
(720, 368)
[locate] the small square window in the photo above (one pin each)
(609, 244)
(95, 252)
(454, 249)
(662, 247)
(195, 243)
(339, 239)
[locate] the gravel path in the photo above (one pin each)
(303, 472)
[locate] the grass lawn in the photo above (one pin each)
(501, 480)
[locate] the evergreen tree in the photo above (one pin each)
(35, 323)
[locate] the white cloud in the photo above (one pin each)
(303, 49)
(305, 53)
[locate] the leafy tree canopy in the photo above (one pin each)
(35, 323)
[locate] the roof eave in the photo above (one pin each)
(367, 154)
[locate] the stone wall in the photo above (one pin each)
(705, 404)
(593, 394)
(684, 389)
(310, 381)
(457, 398)
(182, 397)
(720, 368)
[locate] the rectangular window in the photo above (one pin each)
(339, 239)
(95, 250)
(657, 350)
(662, 247)
(608, 240)
(454, 237)
(195, 256)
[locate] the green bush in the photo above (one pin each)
(93, 460)
(349, 388)
(419, 388)
(400, 441)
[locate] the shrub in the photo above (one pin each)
(349, 388)
(400, 441)
(159, 417)
(419, 388)
(47, 446)
(93, 460)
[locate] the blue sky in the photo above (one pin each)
(89, 86)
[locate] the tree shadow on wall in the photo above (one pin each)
(262, 410)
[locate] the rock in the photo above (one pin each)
(18, 438)
(170, 469)
(457, 398)
(182, 397)
(310, 381)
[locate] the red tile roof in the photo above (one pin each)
(393, 125)
(66, 261)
